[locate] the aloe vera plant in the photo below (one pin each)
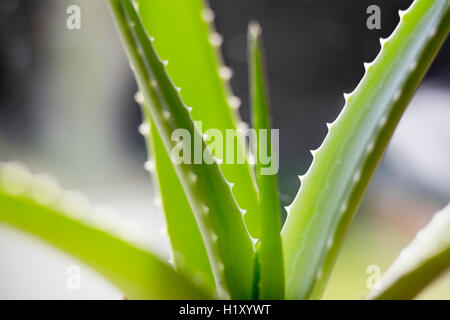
(224, 227)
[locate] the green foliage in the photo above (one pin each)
(345, 162)
(219, 218)
(188, 250)
(36, 204)
(426, 257)
(271, 272)
(220, 208)
(185, 37)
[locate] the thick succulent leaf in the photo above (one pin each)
(36, 205)
(344, 164)
(188, 250)
(425, 258)
(220, 219)
(184, 36)
(271, 268)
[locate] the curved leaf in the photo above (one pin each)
(425, 258)
(188, 250)
(34, 208)
(271, 269)
(184, 36)
(345, 162)
(220, 219)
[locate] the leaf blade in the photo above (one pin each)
(219, 217)
(191, 45)
(136, 272)
(188, 249)
(271, 269)
(342, 167)
(427, 256)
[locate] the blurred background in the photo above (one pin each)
(67, 109)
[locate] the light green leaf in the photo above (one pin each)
(34, 204)
(271, 269)
(344, 164)
(425, 258)
(185, 36)
(188, 250)
(218, 216)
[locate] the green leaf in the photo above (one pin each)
(218, 216)
(271, 269)
(188, 250)
(184, 36)
(342, 167)
(33, 204)
(425, 258)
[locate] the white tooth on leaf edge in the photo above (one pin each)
(357, 176)
(75, 204)
(432, 32)
(288, 208)
(104, 217)
(149, 166)
(383, 121)
(370, 147)
(215, 39)
(139, 98)
(225, 73)
(343, 207)
(144, 128)
(163, 231)
(193, 177)
(166, 114)
(208, 15)
(157, 201)
(45, 189)
(205, 209)
(330, 242)
(16, 178)
(243, 126)
(314, 152)
(234, 102)
(130, 230)
(319, 274)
